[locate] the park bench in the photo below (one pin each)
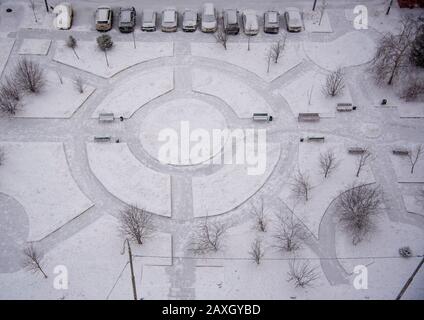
(102, 138)
(308, 116)
(400, 151)
(356, 150)
(262, 117)
(106, 117)
(316, 139)
(345, 107)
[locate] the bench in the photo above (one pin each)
(345, 107)
(317, 139)
(102, 139)
(106, 117)
(308, 117)
(400, 151)
(262, 117)
(356, 150)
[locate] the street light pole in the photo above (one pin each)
(126, 241)
(47, 6)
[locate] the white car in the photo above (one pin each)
(209, 22)
(250, 22)
(63, 16)
(169, 20)
(293, 19)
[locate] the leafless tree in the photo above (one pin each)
(2, 156)
(268, 59)
(10, 88)
(258, 213)
(363, 159)
(8, 104)
(334, 84)
(413, 88)
(79, 84)
(33, 260)
(420, 197)
(357, 208)
(302, 273)
(71, 42)
(256, 251)
(301, 186)
(278, 49)
(393, 52)
(208, 237)
(289, 232)
(32, 6)
(327, 162)
(136, 223)
(415, 155)
(29, 76)
(221, 36)
(105, 43)
(310, 91)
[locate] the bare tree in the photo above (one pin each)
(256, 251)
(289, 233)
(334, 84)
(208, 237)
(301, 186)
(105, 43)
(32, 6)
(79, 84)
(71, 42)
(393, 52)
(30, 76)
(258, 213)
(33, 260)
(136, 223)
(8, 104)
(310, 91)
(278, 49)
(268, 59)
(357, 208)
(10, 88)
(363, 159)
(415, 155)
(419, 196)
(327, 162)
(413, 88)
(221, 36)
(2, 156)
(302, 273)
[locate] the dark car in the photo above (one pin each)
(127, 18)
(231, 21)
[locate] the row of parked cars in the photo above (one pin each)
(191, 20)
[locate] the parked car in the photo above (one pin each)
(293, 19)
(148, 20)
(169, 20)
(104, 15)
(250, 22)
(189, 20)
(209, 23)
(231, 21)
(127, 17)
(63, 16)
(271, 22)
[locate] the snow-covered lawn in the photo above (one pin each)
(177, 115)
(311, 20)
(254, 60)
(155, 283)
(231, 185)
(305, 94)
(402, 164)
(35, 47)
(38, 176)
(241, 98)
(351, 49)
(130, 95)
(324, 190)
(57, 100)
(121, 56)
(413, 204)
(6, 45)
(128, 179)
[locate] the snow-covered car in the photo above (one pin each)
(169, 20)
(63, 16)
(293, 19)
(148, 20)
(104, 15)
(250, 22)
(209, 22)
(231, 21)
(271, 22)
(189, 20)
(127, 17)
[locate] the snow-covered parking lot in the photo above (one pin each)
(83, 148)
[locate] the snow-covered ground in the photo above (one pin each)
(35, 47)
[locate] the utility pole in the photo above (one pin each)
(390, 6)
(47, 6)
(315, 3)
(131, 267)
(410, 280)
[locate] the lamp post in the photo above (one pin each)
(126, 241)
(47, 6)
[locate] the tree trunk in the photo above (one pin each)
(107, 61)
(75, 53)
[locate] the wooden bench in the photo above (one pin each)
(262, 117)
(106, 117)
(400, 151)
(102, 139)
(345, 107)
(356, 150)
(308, 117)
(316, 139)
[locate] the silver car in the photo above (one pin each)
(250, 22)
(271, 22)
(293, 19)
(148, 20)
(189, 20)
(169, 20)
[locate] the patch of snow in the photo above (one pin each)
(6, 45)
(35, 47)
(311, 20)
